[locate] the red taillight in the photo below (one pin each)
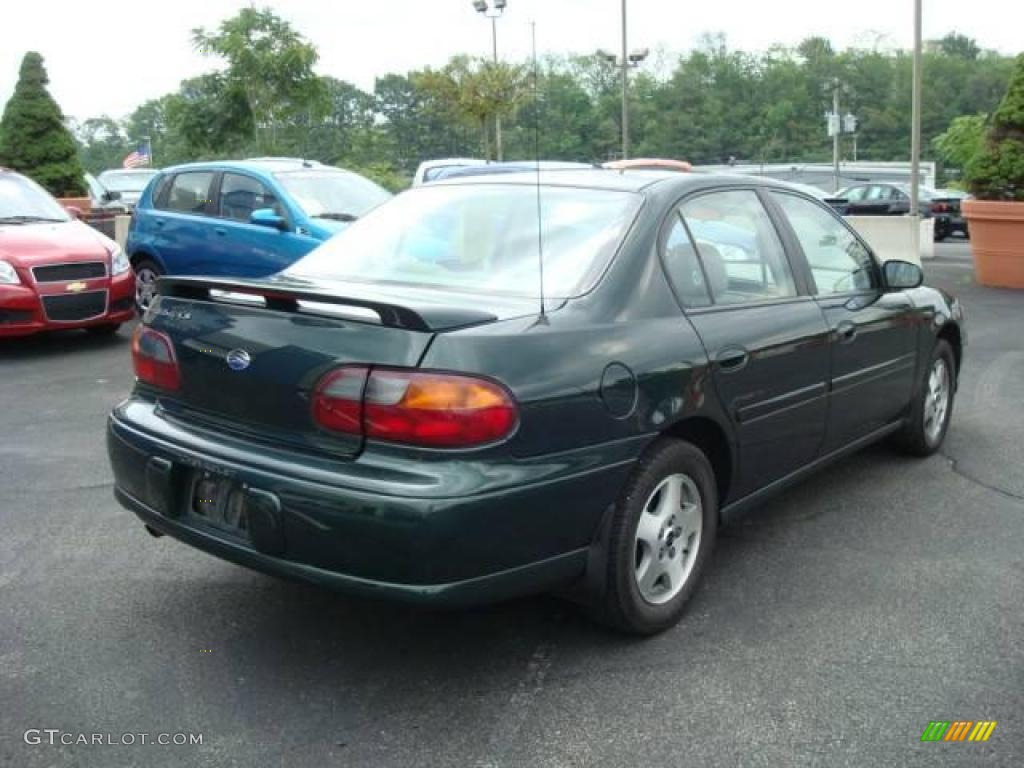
(153, 359)
(939, 208)
(338, 400)
(440, 410)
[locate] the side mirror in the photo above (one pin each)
(74, 211)
(110, 196)
(902, 275)
(266, 217)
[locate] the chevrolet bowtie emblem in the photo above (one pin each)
(75, 287)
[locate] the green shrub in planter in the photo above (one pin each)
(996, 172)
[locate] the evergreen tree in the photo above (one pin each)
(33, 138)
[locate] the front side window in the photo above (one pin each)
(838, 260)
(740, 250)
(481, 238)
(856, 194)
(241, 195)
(190, 192)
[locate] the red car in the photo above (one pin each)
(55, 271)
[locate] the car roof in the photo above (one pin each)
(127, 171)
(518, 166)
(626, 181)
(260, 164)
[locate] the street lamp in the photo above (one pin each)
(626, 61)
(838, 124)
(493, 10)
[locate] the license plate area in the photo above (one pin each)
(218, 502)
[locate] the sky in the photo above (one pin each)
(109, 56)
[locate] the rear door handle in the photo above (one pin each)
(846, 331)
(732, 359)
(160, 222)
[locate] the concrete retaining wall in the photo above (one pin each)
(892, 237)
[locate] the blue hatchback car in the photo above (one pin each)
(247, 218)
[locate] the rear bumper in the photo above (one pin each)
(513, 582)
(445, 532)
(21, 309)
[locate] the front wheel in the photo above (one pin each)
(662, 533)
(146, 274)
(933, 405)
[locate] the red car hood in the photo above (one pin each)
(32, 245)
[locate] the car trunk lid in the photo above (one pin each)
(251, 352)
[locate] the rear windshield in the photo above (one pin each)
(481, 238)
(126, 181)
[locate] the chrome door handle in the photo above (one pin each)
(846, 332)
(732, 359)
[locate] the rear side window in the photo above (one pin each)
(740, 251)
(241, 195)
(189, 192)
(683, 267)
(838, 260)
(160, 191)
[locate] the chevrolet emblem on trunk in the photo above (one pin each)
(75, 287)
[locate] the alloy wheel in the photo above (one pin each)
(667, 538)
(145, 285)
(936, 401)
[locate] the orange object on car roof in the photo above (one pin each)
(649, 164)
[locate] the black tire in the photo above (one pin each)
(104, 330)
(141, 267)
(623, 606)
(919, 437)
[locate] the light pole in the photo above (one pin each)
(625, 61)
(915, 132)
(839, 124)
(493, 10)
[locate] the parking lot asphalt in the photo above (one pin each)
(835, 622)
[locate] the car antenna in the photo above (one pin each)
(536, 155)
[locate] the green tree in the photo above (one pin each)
(102, 144)
(964, 47)
(269, 71)
(996, 172)
(477, 90)
(961, 141)
(210, 116)
(33, 137)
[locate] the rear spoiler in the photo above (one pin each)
(287, 296)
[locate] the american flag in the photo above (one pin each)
(141, 156)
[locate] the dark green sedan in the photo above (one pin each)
(405, 413)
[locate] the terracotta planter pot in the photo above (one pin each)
(80, 204)
(997, 242)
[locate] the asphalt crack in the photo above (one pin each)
(955, 466)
